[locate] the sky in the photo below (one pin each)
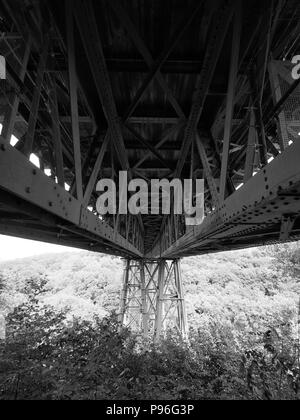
(14, 248)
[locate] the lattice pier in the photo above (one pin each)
(152, 298)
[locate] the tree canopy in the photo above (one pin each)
(63, 340)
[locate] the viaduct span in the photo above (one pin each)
(187, 89)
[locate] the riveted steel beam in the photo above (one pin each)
(214, 46)
(252, 215)
(22, 179)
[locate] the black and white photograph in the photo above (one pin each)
(149, 203)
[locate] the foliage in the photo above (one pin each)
(47, 358)
(287, 258)
(85, 284)
(63, 343)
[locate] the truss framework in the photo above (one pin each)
(90, 92)
(152, 299)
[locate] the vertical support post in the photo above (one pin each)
(124, 293)
(182, 315)
(231, 97)
(208, 172)
(58, 151)
(95, 173)
(160, 301)
(74, 98)
(145, 317)
(252, 136)
(259, 120)
(277, 96)
(34, 110)
(11, 114)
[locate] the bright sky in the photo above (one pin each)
(14, 248)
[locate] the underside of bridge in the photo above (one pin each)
(184, 89)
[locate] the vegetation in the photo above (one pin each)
(63, 340)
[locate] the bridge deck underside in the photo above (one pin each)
(160, 89)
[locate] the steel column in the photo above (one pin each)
(231, 99)
(11, 114)
(73, 82)
(251, 147)
(152, 298)
(35, 105)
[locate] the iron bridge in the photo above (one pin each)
(160, 89)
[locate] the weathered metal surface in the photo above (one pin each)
(165, 71)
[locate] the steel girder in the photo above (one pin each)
(214, 47)
(42, 210)
(213, 50)
(252, 216)
(23, 180)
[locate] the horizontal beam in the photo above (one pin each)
(134, 65)
(153, 120)
(255, 210)
(22, 179)
(56, 238)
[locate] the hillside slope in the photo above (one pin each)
(238, 295)
(244, 337)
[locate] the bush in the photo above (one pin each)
(46, 357)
